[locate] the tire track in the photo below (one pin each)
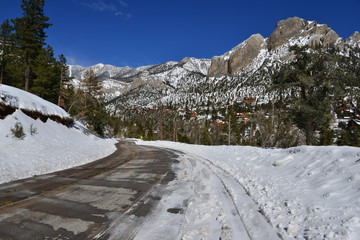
(256, 224)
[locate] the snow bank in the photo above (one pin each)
(45, 147)
(18, 98)
(305, 192)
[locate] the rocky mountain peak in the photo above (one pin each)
(244, 56)
(285, 30)
(196, 65)
(296, 27)
(356, 35)
(237, 58)
(354, 39)
(289, 32)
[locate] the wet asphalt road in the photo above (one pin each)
(106, 199)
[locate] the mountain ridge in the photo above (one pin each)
(235, 73)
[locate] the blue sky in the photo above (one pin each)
(143, 32)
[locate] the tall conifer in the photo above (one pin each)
(5, 46)
(46, 79)
(66, 88)
(30, 34)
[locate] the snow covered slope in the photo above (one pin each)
(20, 99)
(304, 192)
(44, 146)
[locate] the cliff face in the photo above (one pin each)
(292, 31)
(295, 28)
(219, 67)
(242, 57)
(238, 58)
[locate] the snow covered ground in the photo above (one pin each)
(298, 193)
(45, 147)
(227, 192)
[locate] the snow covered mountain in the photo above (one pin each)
(118, 81)
(244, 71)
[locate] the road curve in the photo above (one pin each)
(105, 199)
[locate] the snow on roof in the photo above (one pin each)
(356, 121)
(24, 100)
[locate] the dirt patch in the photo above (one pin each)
(43, 117)
(6, 110)
(175, 210)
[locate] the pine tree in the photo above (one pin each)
(5, 47)
(344, 138)
(63, 70)
(46, 74)
(326, 137)
(88, 103)
(30, 35)
(66, 88)
(91, 84)
(312, 80)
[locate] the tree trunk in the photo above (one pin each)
(2, 74)
(303, 92)
(161, 124)
(27, 78)
(175, 138)
(61, 99)
(61, 102)
(308, 133)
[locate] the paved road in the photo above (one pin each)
(106, 199)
